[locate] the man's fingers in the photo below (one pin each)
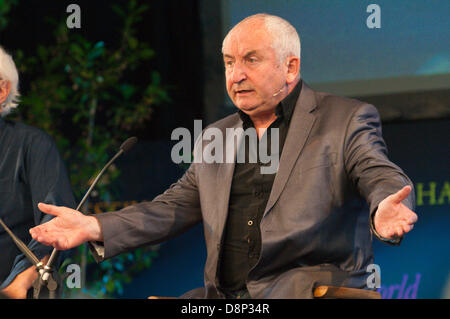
(33, 233)
(411, 219)
(401, 194)
(38, 230)
(407, 215)
(407, 228)
(40, 233)
(45, 237)
(399, 231)
(49, 209)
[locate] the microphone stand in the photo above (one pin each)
(46, 276)
(41, 269)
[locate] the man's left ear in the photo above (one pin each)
(293, 69)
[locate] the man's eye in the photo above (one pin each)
(252, 60)
(228, 64)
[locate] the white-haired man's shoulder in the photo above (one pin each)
(28, 134)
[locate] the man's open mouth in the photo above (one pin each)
(243, 91)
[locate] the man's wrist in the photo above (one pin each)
(95, 230)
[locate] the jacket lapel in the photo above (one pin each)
(301, 123)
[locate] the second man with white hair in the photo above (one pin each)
(31, 171)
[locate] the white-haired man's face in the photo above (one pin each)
(5, 88)
(252, 70)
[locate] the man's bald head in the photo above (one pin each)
(261, 65)
(284, 38)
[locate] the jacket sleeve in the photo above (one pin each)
(148, 223)
(368, 166)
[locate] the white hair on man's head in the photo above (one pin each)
(285, 39)
(8, 72)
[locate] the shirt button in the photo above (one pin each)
(250, 222)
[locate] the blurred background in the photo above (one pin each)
(144, 68)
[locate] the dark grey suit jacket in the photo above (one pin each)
(315, 228)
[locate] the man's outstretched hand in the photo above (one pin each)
(68, 229)
(392, 218)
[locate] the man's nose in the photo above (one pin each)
(238, 73)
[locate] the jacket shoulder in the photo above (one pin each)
(335, 103)
(27, 134)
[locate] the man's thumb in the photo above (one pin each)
(401, 194)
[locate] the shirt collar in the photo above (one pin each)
(286, 107)
(283, 110)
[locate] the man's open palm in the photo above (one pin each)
(393, 219)
(68, 229)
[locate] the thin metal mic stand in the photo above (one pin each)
(54, 252)
(38, 282)
(46, 276)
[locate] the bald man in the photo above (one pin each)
(277, 234)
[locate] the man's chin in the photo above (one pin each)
(248, 109)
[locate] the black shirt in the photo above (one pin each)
(31, 171)
(250, 190)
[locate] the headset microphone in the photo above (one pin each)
(281, 90)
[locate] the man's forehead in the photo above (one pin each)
(245, 53)
(243, 42)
